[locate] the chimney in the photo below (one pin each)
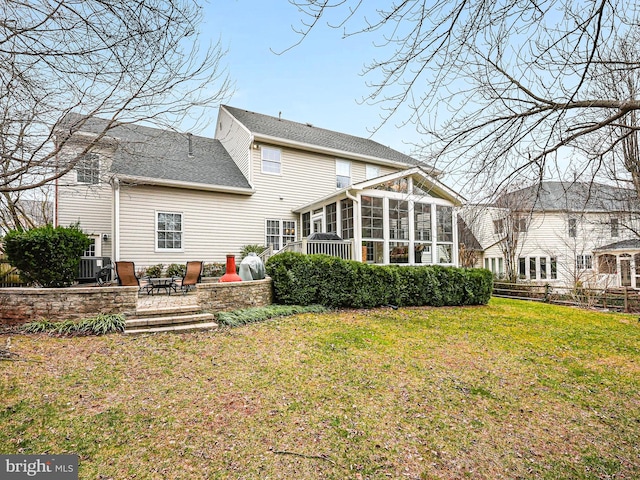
(190, 138)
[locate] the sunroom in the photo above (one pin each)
(402, 218)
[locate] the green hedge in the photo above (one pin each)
(47, 256)
(332, 282)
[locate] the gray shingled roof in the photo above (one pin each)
(571, 196)
(164, 154)
(632, 244)
(260, 124)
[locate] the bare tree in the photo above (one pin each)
(618, 76)
(501, 89)
(121, 60)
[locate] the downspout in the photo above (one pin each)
(357, 232)
(56, 186)
(115, 184)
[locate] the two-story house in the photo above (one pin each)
(561, 233)
(157, 196)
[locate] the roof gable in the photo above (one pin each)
(428, 186)
(279, 129)
(571, 197)
(147, 153)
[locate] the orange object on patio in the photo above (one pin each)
(231, 275)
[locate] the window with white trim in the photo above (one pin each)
(343, 173)
(271, 160)
(584, 262)
(422, 221)
(168, 231)
(573, 227)
(444, 233)
(280, 232)
(372, 217)
(346, 213)
(371, 171)
(331, 218)
(91, 250)
(88, 169)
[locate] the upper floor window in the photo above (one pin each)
(520, 225)
(271, 160)
(573, 227)
(498, 226)
(614, 227)
(88, 169)
(169, 231)
(372, 171)
(343, 173)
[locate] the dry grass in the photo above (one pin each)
(510, 390)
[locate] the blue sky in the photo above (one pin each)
(318, 82)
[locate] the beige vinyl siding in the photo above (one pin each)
(90, 206)
(304, 177)
(236, 140)
(214, 224)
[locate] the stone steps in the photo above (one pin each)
(169, 319)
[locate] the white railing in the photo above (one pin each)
(335, 248)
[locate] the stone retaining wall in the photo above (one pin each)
(216, 297)
(23, 305)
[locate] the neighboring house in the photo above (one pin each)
(562, 233)
(25, 213)
(156, 196)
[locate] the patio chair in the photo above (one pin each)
(103, 277)
(126, 274)
(192, 276)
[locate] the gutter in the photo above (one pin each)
(186, 185)
(339, 153)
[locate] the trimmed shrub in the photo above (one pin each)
(213, 269)
(47, 256)
(253, 248)
(319, 279)
(154, 271)
(176, 270)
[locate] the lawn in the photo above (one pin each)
(509, 390)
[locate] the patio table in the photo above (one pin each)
(164, 283)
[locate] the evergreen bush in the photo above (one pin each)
(319, 279)
(176, 270)
(47, 256)
(154, 271)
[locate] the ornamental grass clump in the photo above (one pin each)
(101, 324)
